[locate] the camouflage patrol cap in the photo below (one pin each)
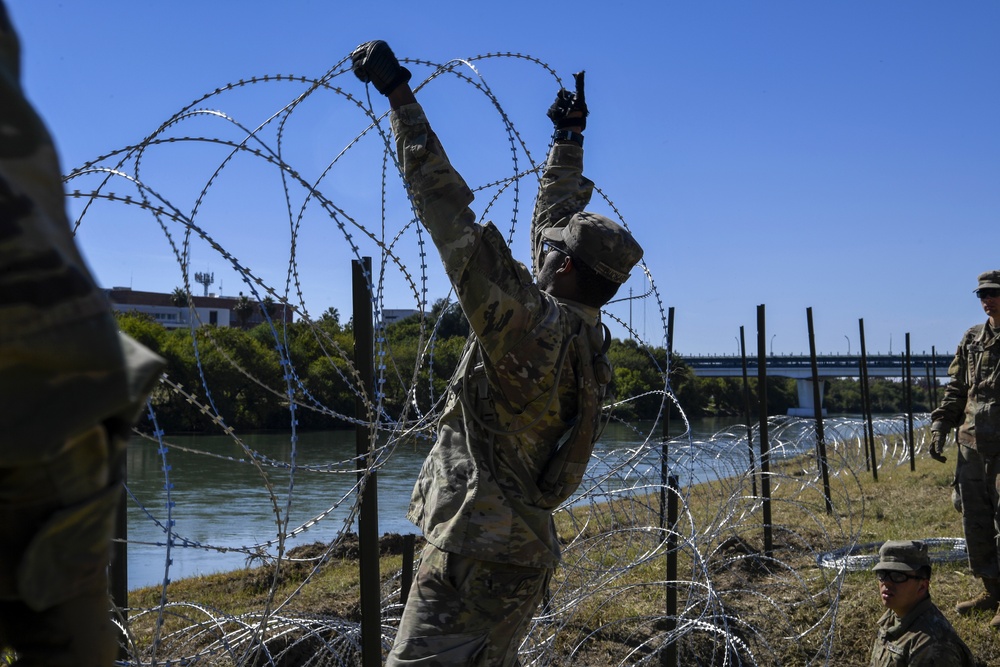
(599, 242)
(902, 555)
(988, 280)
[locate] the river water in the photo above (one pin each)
(222, 500)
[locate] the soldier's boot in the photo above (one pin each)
(988, 600)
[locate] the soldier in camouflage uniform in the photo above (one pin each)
(526, 391)
(913, 632)
(971, 404)
(70, 388)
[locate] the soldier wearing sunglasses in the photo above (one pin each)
(912, 631)
(971, 404)
(523, 410)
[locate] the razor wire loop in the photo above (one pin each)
(625, 482)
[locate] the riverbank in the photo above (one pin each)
(622, 616)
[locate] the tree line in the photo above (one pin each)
(252, 376)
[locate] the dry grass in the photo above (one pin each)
(902, 504)
(906, 504)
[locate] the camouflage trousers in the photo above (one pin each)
(979, 490)
(58, 519)
(463, 611)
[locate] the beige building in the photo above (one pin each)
(216, 310)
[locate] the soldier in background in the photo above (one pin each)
(523, 407)
(971, 404)
(70, 388)
(913, 632)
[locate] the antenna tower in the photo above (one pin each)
(205, 279)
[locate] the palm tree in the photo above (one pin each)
(179, 297)
(331, 315)
(243, 309)
(269, 306)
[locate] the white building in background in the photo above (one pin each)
(215, 310)
(390, 315)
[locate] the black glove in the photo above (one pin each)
(938, 441)
(567, 102)
(376, 63)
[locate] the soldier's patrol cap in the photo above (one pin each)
(599, 242)
(989, 280)
(902, 555)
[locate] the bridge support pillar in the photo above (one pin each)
(807, 407)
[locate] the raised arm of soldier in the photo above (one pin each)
(497, 293)
(597, 248)
(563, 189)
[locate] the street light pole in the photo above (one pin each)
(848, 344)
(772, 343)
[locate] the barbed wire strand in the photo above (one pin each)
(738, 605)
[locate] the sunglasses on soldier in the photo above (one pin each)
(549, 247)
(988, 293)
(895, 576)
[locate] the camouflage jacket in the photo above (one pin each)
(922, 638)
(972, 399)
(64, 367)
(476, 493)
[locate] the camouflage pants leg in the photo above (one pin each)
(463, 611)
(58, 519)
(978, 488)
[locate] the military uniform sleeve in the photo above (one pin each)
(951, 412)
(563, 191)
(496, 292)
(63, 364)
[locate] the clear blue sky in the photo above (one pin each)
(843, 156)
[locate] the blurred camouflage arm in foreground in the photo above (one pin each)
(63, 364)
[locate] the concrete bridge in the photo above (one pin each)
(838, 365)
